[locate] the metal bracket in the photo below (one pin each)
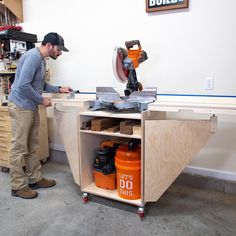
(213, 120)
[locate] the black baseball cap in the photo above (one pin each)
(55, 39)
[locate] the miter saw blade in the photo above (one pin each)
(120, 73)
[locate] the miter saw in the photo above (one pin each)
(125, 61)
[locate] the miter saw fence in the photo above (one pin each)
(124, 64)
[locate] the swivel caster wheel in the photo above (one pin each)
(85, 197)
(44, 161)
(141, 212)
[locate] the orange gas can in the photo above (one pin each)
(128, 172)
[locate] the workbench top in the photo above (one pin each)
(208, 105)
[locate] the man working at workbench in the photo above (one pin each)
(26, 95)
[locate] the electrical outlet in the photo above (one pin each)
(209, 83)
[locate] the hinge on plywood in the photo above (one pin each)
(213, 123)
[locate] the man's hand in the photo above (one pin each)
(65, 89)
(47, 102)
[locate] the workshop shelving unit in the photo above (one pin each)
(6, 136)
(5, 125)
(89, 142)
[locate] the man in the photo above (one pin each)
(26, 95)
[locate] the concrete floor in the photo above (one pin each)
(60, 211)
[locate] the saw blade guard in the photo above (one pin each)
(120, 73)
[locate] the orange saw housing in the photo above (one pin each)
(135, 55)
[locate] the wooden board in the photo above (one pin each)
(204, 105)
(67, 124)
(43, 151)
(111, 194)
(89, 144)
(147, 115)
(121, 115)
(169, 146)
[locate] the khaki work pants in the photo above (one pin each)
(25, 126)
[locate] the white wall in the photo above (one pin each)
(184, 47)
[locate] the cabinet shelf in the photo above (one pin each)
(7, 73)
(116, 134)
(121, 115)
(112, 194)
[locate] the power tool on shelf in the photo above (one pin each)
(104, 160)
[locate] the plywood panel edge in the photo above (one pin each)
(171, 146)
(68, 129)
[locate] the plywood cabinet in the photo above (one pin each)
(171, 146)
(167, 146)
(6, 136)
(90, 142)
(66, 119)
(67, 123)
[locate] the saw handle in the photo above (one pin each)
(130, 44)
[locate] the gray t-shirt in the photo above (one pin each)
(29, 83)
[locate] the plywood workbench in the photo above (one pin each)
(167, 145)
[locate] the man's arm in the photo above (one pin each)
(50, 88)
(56, 89)
(28, 71)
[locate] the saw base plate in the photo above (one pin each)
(108, 98)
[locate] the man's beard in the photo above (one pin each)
(53, 57)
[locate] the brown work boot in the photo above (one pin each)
(43, 183)
(25, 193)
